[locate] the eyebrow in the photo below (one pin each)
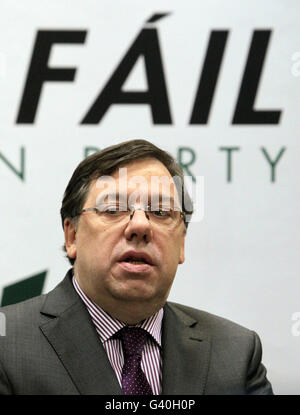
(117, 196)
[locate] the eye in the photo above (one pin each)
(160, 213)
(113, 210)
(109, 209)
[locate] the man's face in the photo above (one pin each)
(102, 271)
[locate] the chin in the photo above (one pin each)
(137, 293)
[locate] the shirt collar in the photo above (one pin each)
(107, 326)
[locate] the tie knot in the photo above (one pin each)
(133, 340)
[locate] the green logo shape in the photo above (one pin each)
(24, 289)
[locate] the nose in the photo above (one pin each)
(139, 227)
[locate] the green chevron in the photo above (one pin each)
(24, 289)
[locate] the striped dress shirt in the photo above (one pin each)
(106, 326)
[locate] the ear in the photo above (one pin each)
(181, 255)
(70, 238)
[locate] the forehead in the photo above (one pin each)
(148, 176)
(145, 168)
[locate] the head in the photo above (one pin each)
(126, 287)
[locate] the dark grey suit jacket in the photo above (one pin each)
(51, 347)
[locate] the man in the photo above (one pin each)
(107, 328)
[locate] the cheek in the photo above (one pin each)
(174, 241)
(88, 242)
(99, 245)
(170, 249)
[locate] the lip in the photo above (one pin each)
(135, 268)
(136, 255)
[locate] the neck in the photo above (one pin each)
(130, 313)
(128, 310)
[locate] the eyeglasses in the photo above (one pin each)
(116, 213)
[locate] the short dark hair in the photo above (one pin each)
(105, 162)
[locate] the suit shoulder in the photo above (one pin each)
(215, 324)
(24, 309)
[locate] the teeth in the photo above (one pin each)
(133, 261)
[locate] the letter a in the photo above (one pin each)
(146, 45)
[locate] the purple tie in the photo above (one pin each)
(134, 381)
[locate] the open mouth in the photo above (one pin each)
(135, 261)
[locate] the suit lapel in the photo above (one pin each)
(73, 337)
(186, 354)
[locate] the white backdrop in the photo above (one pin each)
(242, 259)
